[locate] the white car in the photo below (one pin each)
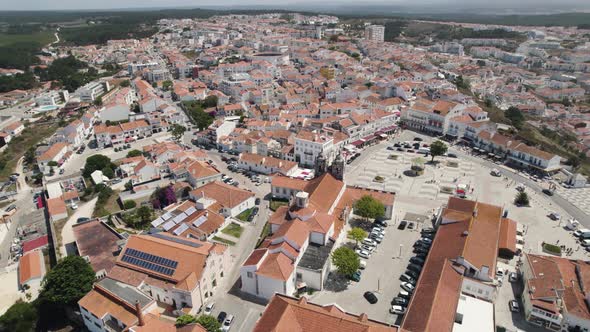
(74, 206)
(363, 253)
(368, 248)
(585, 242)
(227, 323)
(378, 230)
(209, 308)
(397, 310)
(370, 242)
(407, 286)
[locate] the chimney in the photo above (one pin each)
(139, 314)
(363, 317)
(303, 300)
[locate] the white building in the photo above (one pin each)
(375, 33)
(89, 92)
(52, 98)
(311, 144)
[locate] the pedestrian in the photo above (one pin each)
(557, 241)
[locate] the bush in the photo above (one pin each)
(521, 199)
(552, 249)
(129, 204)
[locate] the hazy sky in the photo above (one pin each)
(110, 4)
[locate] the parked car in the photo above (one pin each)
(371, 297)
(363, 264)
(554, 216)
(370, 242)
(397, 309)
(82, 219)
(221, 317)
(378, 229)
(417, 260)
(513, 277)
(368, 248)
(418, 139)
(426, 240)
(402, 225)
(427, 230)
(255, 210)
(548, 192)
(415, 267)
(376, 237)
(412, 274)
(209, 308)
(381, 223)
(514, 307)
(74, 206)
(227, 323)
(356, 276)
(585, 242)
(257, 201)
(363, 253)
(420, 250)
(406, 277)
(411, 225)
(400, 301)
(404, 294)
(451, 155)
(407, 287)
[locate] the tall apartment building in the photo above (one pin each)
(89, 92)
(375, 33)
(52, 98)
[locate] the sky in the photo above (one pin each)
(564, 5)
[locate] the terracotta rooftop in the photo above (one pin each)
(97, 241)
(287, 314)
(30, 266)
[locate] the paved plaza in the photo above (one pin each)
(580, 197)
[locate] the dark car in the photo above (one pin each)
(381, 223)
(369, 296)
(400, 149)
(429, 230)
(417, 260)
(406, 277)
(422, 255)
(420, 250)
(251, 217)
(257, 201)
(411, 225)
(397, 145)
(399, 301)
(418, 139)
(82, 219)
(221, 316)
(415, 267)
(402, 225)
(255, 211)
(547, 192)
(390, 148)
(451, 155)
(412, 274)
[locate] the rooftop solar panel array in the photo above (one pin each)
(148, 261)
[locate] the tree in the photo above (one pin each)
(438, 148)
(347, 262)
(52, 163)
(20, 317)
(209, 322)
(574, 162)
(129, 204)
(97, 162)
(368, 207)
(357, 234)
(185, 320)
(461, 82)
(521, 199)
(167, 85)
(515, 116)
(178, 131)
(144, 213)
(129, 185)
(67, 282)
(98, 101)
(134, 153)
(125, 83)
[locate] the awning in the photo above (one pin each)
(369, 138)
(358, 143)
(301, 284)
(382, 135)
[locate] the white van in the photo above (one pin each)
(583, 233)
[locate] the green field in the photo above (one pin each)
(42, 38)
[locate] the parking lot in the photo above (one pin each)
(383, 269)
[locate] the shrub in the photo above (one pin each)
(129, 204)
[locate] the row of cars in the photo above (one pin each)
(368, 246)
(232, 165)
(223, 318)
(410, 277)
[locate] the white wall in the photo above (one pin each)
(313, 279)
(478, 289)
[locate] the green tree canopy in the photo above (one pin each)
(97, 162)
(144, 213)
(347, 262)
(177, 131)
(521, 199)
(134, 153)
(438, 148)
(515, 116)
(20, 317)
(167, 85)
(67, 282)
(357, 234)
(368, 207)
(209, 322)
(185, 320)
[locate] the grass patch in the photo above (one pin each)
(453, 164)
(265, 232)
(244, 215)
(277, 203)
(30, 137)
(228, 242)
(552, 249)
(43, 38)
(111, 206)
(233, 229)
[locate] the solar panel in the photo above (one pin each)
(158, 222)
(166, 216)
(190, 210)
(148, 265)
(168, 225)
(200, 221)
(179, 218)
(180, 229)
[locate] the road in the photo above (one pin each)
(67, 233)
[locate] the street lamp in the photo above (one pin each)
(400, 250)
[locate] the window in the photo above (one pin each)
(249, 274)
(479, 291)
(97, 325)
(299, 276)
